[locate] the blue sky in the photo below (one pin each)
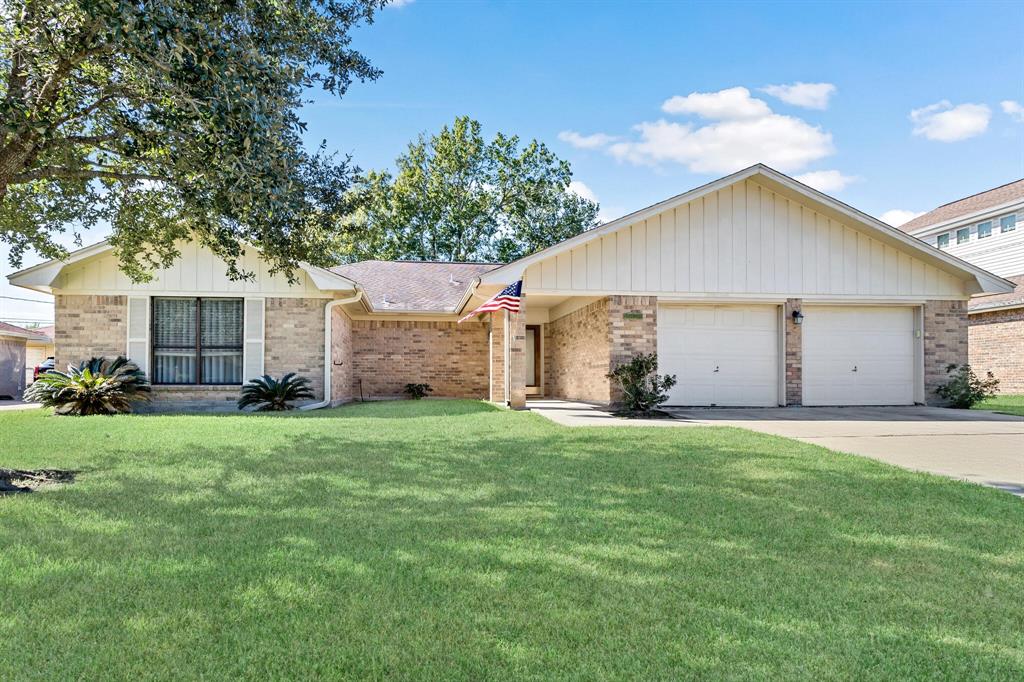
(901, 107)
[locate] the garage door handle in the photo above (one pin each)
(716, 368)
(855, 368)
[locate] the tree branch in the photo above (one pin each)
(82, 174)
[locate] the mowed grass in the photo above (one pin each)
(1007, 404)
(450, 540)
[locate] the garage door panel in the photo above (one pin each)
(876, 341)
(741, 342)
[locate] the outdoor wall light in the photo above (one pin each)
(798, 317)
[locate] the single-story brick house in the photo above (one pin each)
(15, 343)
(754, 290)
(987, 229)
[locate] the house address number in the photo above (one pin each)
(633, 315)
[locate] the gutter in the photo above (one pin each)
(328, 364)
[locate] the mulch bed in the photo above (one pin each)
(23, 481)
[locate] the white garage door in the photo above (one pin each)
(858, 355)
(721, 355)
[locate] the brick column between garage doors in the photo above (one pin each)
(794, 355)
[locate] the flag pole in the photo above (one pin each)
(508, 363)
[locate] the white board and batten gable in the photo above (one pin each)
(198, 272)
(755, 235)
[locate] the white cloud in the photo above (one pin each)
(728, 104)
(807, 95)
(595, 141)
(947, 123)
(1013, 109)
(580, 189)
(898, 216)
(827, 180)
(399, 3)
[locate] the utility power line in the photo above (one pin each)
(30, 300)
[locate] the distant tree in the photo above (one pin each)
(456, 197)
(172, 119)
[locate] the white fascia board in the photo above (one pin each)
(985, 281)
(968, 219)
(514, 270)
(326, 280)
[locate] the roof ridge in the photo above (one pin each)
(976, 194)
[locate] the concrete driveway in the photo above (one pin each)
(973, 445)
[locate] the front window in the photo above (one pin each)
(943, 241)
(985, 229)
(1008, 223)
(963, 235)
(197, 340)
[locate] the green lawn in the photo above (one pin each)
(1010, 404)
(450, 540)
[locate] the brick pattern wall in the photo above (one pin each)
(945, 343)
(517, 358)
(496, 357)
(89, 326)
(341, 356)
(794, 354)
(388, 354)
(633, 329)
(997, 346)
(294, 339)
(578, 354)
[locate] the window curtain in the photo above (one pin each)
(174, 340)
(219, 332)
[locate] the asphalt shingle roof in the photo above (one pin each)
(419, 286)
(972, 204)
(14, 329)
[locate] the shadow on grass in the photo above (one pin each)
(498, 545)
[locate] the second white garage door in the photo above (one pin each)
(858, 355)
(721, 354)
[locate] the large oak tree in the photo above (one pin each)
(457, 197)
(172, 119)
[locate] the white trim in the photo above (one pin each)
(183, 293)
(328, 351)
(778, 298)
(996, 308)
(986, 281)
(1014, 206)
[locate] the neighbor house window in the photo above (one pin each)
(943, 241)
(1008, 223)
(985, 229)
(963, 235)
(197, 340)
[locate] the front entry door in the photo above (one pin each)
(533, 359)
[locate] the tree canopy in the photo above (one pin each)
(173, 119)
(456, 197)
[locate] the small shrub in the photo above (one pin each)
(642, 388)
(96, 386)
(965, 388)
(418, 391)
(267, 394)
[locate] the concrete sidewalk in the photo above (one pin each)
(17, 405)
(972, 445)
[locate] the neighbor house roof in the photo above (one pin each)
(1012, 299)
(413, 286)
(20, 332)
(47, 331)
(997, 196)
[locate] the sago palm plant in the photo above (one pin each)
(267, 394)
(96, 386)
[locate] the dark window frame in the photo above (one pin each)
(198, 347)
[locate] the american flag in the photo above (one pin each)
(506, 299)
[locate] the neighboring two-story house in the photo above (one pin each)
(987, 230)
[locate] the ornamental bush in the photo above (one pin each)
(96, 386)
(965, 388)
(643, 389)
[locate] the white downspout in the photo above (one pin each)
(328, 362)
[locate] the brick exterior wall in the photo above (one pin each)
(633, 329)
(583, 346)
(794, 354)
(388, 354)
(341, 356)
(945, 343)
(577, 355)
(89, 326)
(997, 346)
(294, 339)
